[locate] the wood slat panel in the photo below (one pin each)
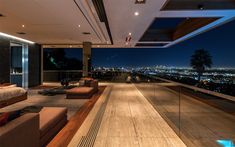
(191, 25)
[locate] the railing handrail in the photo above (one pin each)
(62, 70)
(213, 93)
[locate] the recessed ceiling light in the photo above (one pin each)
(21, 33)
(140, 1)
(136, 13)
(130, 34)
(79, 26)
(23, 26)
(200, 6)
(86, 33)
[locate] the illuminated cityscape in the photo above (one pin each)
(220, 80)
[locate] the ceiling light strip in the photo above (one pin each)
(16, 38)
(100, 9)
(87, 19)
(91, 6)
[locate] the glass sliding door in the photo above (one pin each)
(19, 64)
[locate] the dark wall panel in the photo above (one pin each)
(34, 62)
(34, 65)
(4, 60)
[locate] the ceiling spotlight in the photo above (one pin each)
(79, 26)
(86, 33)
(140, 1)
(130, 34)
(136, 13)
(23, 26)
(21, 33)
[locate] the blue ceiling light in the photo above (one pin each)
(226, 143)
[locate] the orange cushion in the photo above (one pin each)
(49, 117)
(80, 90)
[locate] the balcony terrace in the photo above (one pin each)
(51, 95)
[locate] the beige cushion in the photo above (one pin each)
(8, 93)
(80, 90)
(49, 117)
(8, 86)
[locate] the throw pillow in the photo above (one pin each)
(3, 118)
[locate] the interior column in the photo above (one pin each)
(86, 58)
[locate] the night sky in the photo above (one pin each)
(220, 42)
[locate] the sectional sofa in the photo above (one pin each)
(87, 87)
(33, 129)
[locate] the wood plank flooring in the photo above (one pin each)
(131, 121)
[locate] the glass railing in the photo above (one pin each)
(57, 75)
(111, 76)
(199, 117)
(76, 75)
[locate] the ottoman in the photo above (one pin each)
(51, 120)
(80, 93)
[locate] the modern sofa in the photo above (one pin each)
(10, 94)
(87, 87)
(33, 129)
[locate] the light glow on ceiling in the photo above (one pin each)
(16, 38)
(136, 13)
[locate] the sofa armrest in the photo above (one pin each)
(21, 132)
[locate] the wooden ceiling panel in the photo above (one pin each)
(171, 29)
(199, 4)
(190, 25)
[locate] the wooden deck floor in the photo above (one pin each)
(130, 120)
